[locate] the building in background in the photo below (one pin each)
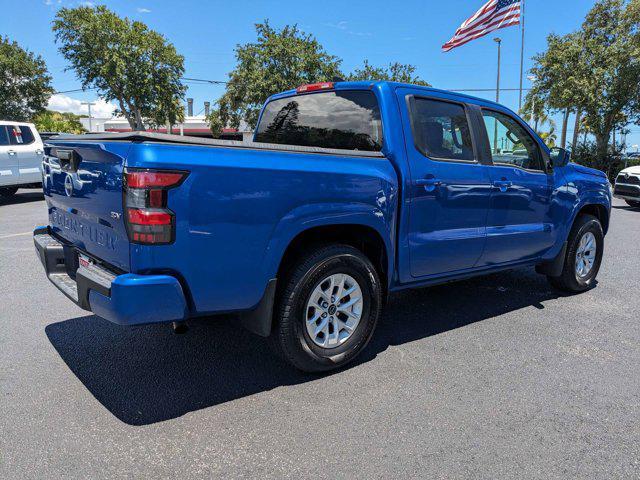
(193, 126)
(96, 124)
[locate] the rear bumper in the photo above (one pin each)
(126, 299)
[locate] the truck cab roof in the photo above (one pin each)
(370, 84)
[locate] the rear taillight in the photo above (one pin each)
(147, 217)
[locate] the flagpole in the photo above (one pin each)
(498, 40)
(521, 57)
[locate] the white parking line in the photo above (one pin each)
(16, 235)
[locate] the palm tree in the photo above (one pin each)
(534, 109)
(550, 137)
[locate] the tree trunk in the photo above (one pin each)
(535, 125)
(602, 154)
(576, 129)
(139, 122)
(127, 114)
(565, 121)
(614, 140)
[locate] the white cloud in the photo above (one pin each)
(63, 103)
(87, 4)
(344, 26)
(360, 34)
(143, 10)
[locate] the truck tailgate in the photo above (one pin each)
(82, 183)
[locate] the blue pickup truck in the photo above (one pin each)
(349, 191)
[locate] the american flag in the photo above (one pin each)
(492, 15)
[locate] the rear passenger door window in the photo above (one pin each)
(20, 135)
(441, 130)
(510, 144)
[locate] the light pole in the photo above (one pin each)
(498, 40)
(89, 104)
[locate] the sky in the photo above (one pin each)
(411, 31)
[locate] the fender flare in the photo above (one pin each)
(591, 197)
(307, 217)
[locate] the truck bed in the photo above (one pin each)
(150, 137)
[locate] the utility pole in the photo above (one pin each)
(498, 40)
(89, 104)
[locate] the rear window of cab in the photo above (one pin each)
(347, 119)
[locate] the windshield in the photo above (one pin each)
(342, 119)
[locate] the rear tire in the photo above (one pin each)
(633, 203)
(578, 271)
(327, 273)
(8, 192)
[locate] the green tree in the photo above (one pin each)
(278, 60)
(557, 78)
(50, 121)
(595, 71)
(395, 72)
(25, 84)
(169, 112)
(125, 61)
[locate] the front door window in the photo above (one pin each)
(510, 143)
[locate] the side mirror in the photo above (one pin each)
(559, 157)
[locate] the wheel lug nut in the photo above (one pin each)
(324, 315)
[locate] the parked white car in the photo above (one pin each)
(21, 152)
(627, 186)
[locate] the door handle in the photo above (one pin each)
(39, 152)
(11, 152)
(428, 183)
(503, 184)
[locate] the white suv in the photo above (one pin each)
(21, 152)
(627, 186)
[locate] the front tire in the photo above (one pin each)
(328, 309)
(583, 257)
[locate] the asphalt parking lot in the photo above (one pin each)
(495, 377)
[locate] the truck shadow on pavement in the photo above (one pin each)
(626, 207)
(146, 374)
(23, 197)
